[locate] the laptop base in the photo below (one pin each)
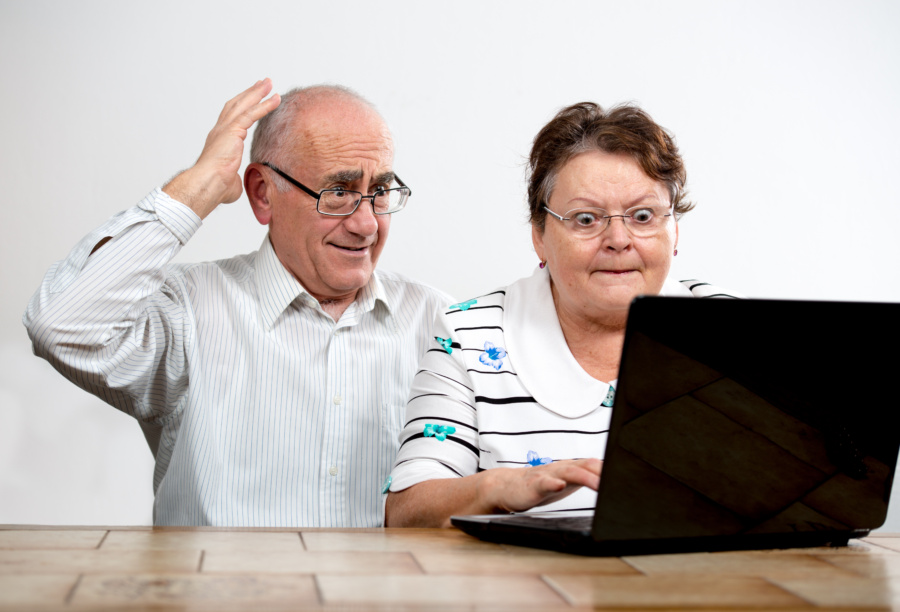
(580, 542)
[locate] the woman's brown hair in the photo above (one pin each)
(624, 129)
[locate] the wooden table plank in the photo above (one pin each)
(17, 592)
(487, 591)
(746, 564)
(842, 592)
(96, 561)
(30, 539)
(505, 562)
(891, 543)
(396, 540)
(870, 566)
(196, 591)
(673, 591)
(209, 541)
(320, 563)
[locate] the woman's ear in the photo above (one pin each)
(258, 190)
(537, 239)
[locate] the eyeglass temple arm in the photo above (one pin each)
(292, 180)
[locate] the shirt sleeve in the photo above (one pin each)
(110, 320)
(440, 438)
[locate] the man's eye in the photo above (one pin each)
(644, 215)
(585, 219)
(339, 193)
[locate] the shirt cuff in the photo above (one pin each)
(177, 217)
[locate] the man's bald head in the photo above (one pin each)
(282, 134)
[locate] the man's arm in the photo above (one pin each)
(108, 318)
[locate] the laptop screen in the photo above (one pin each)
(783, 420)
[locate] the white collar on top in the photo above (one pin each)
(674, 288)
(538, 352)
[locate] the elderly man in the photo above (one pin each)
(270, 386)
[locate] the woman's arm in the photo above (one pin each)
(431, 503)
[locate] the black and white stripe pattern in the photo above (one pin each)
(497, 421)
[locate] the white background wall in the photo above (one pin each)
(786, 113)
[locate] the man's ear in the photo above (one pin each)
(258, 190)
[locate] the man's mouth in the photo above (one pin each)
(360, 249)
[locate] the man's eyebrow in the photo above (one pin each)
(351, 176)
(386, 178)
(344, 176)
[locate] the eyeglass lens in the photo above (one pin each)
(642, 221)
(342, 202)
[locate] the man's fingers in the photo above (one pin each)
(262, 109)
(250, 104)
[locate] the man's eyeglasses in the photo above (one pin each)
(641, 221)
(343, 202)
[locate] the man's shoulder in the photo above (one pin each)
(239, 269)
(402, 288)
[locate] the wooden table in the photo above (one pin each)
(100, 568)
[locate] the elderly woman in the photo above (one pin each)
(510, 408)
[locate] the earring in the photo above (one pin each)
(675, 254)
(542, 264)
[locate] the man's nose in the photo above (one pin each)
(363, 220)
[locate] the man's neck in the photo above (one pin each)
(336, 307)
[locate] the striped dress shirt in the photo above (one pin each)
(499, 388)
(260, 409)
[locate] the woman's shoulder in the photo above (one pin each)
(478, 310)
(693, 287)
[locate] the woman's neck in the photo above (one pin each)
(596, 343)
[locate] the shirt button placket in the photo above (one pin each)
(334, 435)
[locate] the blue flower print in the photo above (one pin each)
(535, 460)
(492, 355)
(463, 305)
(610, 397)
(438, 431)
(446, 343)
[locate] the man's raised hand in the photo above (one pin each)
(214, 178)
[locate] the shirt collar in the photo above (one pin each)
(373, 292)
(539, 354)
(278, 289)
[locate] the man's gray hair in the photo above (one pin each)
(273, 139)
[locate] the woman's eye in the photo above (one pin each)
(585, 219)
(644, 215)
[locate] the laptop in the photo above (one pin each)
(738, 424)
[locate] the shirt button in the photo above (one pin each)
(338, 399)
(333, 470)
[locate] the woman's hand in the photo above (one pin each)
(433, 502)
(520, 489)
